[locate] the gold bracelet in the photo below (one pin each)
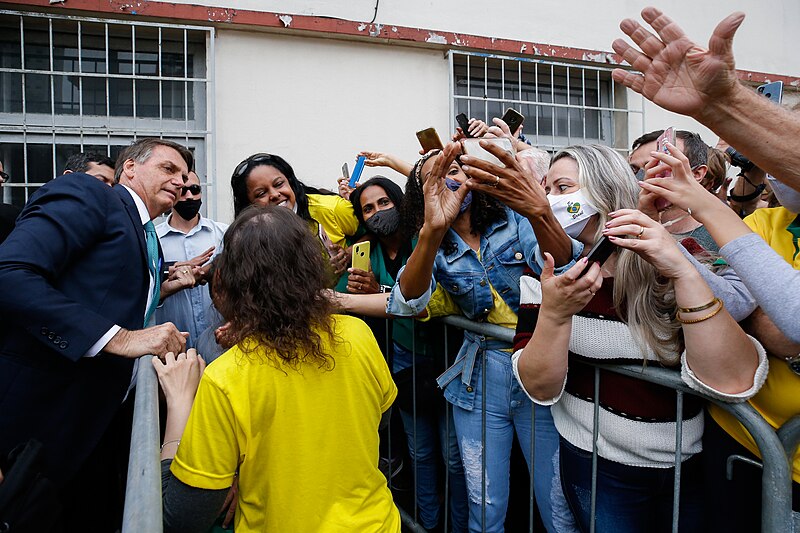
(177, 441)
(700, 308)
(696, 320)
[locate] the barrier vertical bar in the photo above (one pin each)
(595, 433)
(143, 511)
(676, 488)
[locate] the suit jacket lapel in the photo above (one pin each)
(133, 213)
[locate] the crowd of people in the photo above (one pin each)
(276, 395)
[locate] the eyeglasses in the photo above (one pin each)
(245, 165)
(5, 177)
(194, 189)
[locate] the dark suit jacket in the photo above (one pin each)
(72, 268)
(8, 216)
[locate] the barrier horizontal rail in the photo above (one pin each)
(143, 507)
(775, 447)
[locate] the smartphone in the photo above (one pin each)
(661, 145)
(463, 123)
(345, 172)
(601, 251)
(773, 91)
(429, 140)
(473, 148)
(361, 256)
(514, 119)
(357, 171)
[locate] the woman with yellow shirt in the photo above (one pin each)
(267, 179)
(292, 409)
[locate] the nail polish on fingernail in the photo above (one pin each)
(612, 238)
(585, 260)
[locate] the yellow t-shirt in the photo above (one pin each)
(777, 401)
(335, 215)
(305, 441)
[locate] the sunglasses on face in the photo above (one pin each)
(245, 165)
(194, 189)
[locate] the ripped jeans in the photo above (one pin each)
(508, 409)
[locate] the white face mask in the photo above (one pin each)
(572, 210)
(788, 197)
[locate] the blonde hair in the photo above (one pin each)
(645, 300)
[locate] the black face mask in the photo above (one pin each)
(384, 223)
(188, 209)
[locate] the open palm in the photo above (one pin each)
(676, 73)
(442, 205)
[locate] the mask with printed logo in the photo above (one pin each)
(572, 210)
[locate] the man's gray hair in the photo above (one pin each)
(141, 150)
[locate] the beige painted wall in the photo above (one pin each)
(318, 102)
(762, 43)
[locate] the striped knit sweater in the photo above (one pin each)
(637, 419)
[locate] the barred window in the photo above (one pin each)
(563, 103)
(76, 84)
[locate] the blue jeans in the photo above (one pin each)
(631, 499)
(430, 434)
(507, 409)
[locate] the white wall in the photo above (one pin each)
(318, 102)
(762, 43)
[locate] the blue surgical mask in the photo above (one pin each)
(453, 185)
(788, 197)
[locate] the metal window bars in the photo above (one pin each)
(563, 103)
(73, 84)
(143, 498)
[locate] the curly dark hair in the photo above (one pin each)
(486, 210)
(269, 286)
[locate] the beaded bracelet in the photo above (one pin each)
(701, 319)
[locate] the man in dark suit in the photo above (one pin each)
(77, 283)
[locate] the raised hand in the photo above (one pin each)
(681, 189)
(566, 294)
(339, 258)
(516, 184)
(442, 205)
(180, 375)
(649, 239)
(676, 73)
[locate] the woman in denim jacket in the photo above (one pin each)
(476, 248)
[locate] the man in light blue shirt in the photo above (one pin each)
(190, 241)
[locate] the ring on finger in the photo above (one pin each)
(641, 231)
(496, 181)
(591, 292)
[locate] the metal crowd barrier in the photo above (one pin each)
(143, 510)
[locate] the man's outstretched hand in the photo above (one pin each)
(676, 73)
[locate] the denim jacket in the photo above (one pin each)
(506, 247)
